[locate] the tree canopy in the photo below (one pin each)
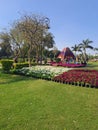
(29, 36)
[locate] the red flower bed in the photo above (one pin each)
(70, 65)
(73, 65)
(79, 77)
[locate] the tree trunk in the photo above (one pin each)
(29, 57)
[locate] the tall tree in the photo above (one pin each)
(17, 41)
(33, 29)
(84, 45)
(46, 43)
(95, 49)
(76, 48)
(5, 46)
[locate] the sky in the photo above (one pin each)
(71, 21)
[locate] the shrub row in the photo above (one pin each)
(8, 64)
(21, 65)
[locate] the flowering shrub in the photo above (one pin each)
(44, 72)
(79, 77)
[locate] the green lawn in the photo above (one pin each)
(91, 65)
(34, 104)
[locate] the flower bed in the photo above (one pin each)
(44, 72)
(73, 65)
(76, 77)
(79, 77)
(69, 65)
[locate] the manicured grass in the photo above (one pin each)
(91, 65)
(34, 104)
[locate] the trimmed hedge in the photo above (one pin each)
(21, 65)
(6, 64)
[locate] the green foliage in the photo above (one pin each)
(21, 65)
(45, 61)
(57, 60)
(5, 45)
(6, 64)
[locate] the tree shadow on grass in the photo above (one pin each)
(9, 78)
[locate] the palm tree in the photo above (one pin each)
(96, 52)
(76, 48)
(95, 49)
(84, 45)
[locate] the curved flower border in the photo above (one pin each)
(87, 78)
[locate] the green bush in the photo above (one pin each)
(6, 64)
(21, 65)
(45, 61)
(57, 60)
